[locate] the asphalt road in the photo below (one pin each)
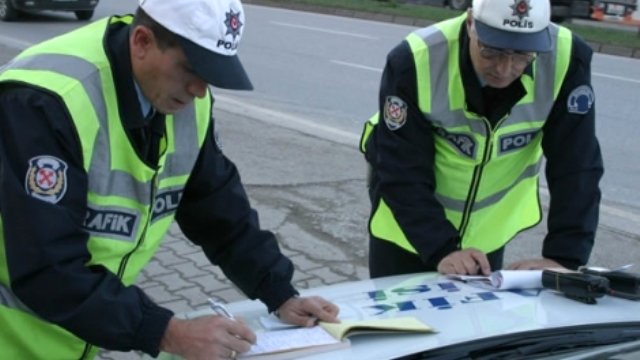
(319, 71)
(319, 74)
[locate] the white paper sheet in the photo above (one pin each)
(504, 279)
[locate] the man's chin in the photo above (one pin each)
(172, 108)
(497, 83)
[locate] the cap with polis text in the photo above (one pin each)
(521, 25)
(209, 32)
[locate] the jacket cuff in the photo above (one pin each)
(453, 244)
(154, 324)
(276, 295)
(568, 263)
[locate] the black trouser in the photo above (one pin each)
(386, 258)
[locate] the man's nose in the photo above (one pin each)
(197, 87)
(504, 64)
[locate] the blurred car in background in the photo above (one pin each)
(615, 10)
(12, 9)
(560, 9)
(565, 9)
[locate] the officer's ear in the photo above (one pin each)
(469, 19)
(141, 41)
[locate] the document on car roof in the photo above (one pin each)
(504, 279)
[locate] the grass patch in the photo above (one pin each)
(392, 7)
(607, 36)
(433, 13)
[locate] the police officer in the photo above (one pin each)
(106, 137)
(468, 108)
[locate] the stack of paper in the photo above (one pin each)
(504, 279)
(293, 343)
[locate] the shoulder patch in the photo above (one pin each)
(580, 100)
(46, 178)
(395, 112)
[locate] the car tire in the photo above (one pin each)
(7, 11)
(83, 14)
(459, 4)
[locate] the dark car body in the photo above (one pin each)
(564, 9)
(618, 10)
(12, 9)
(560, 9)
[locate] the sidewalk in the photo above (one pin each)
(311, 192)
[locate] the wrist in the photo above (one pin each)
(170, 340)
(276, 312)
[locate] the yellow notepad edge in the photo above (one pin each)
(399, 324)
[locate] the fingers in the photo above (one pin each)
(323, 309)
(465, 262)
(242, 336)
(306, 311)
(207, 337)
(517, 265)
(482, 263)
(237, 338)
(238, 344)
(533, 264)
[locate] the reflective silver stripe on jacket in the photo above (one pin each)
(458, 205)
(102, 179)
(441, 115)
(438, 47)
(10, 300)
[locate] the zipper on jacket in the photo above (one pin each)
(125, 259)
(477, 175)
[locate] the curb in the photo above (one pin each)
(409, 21)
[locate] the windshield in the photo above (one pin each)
(540, 344)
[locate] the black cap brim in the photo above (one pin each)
(219, 70)
(528, 42)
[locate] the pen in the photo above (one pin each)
(220, 309)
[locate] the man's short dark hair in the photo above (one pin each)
(165, 38)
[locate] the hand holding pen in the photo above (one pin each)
(221, 310)
(207, 337)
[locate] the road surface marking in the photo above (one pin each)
(335, 32)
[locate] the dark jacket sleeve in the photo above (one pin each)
(215, 213)
(574, 166)
(402, 162)
(46, 248)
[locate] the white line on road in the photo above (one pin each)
(19, 44)
(363, 67)
(288, 121)
(629, 217)
(335, 32)
(615, 77)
